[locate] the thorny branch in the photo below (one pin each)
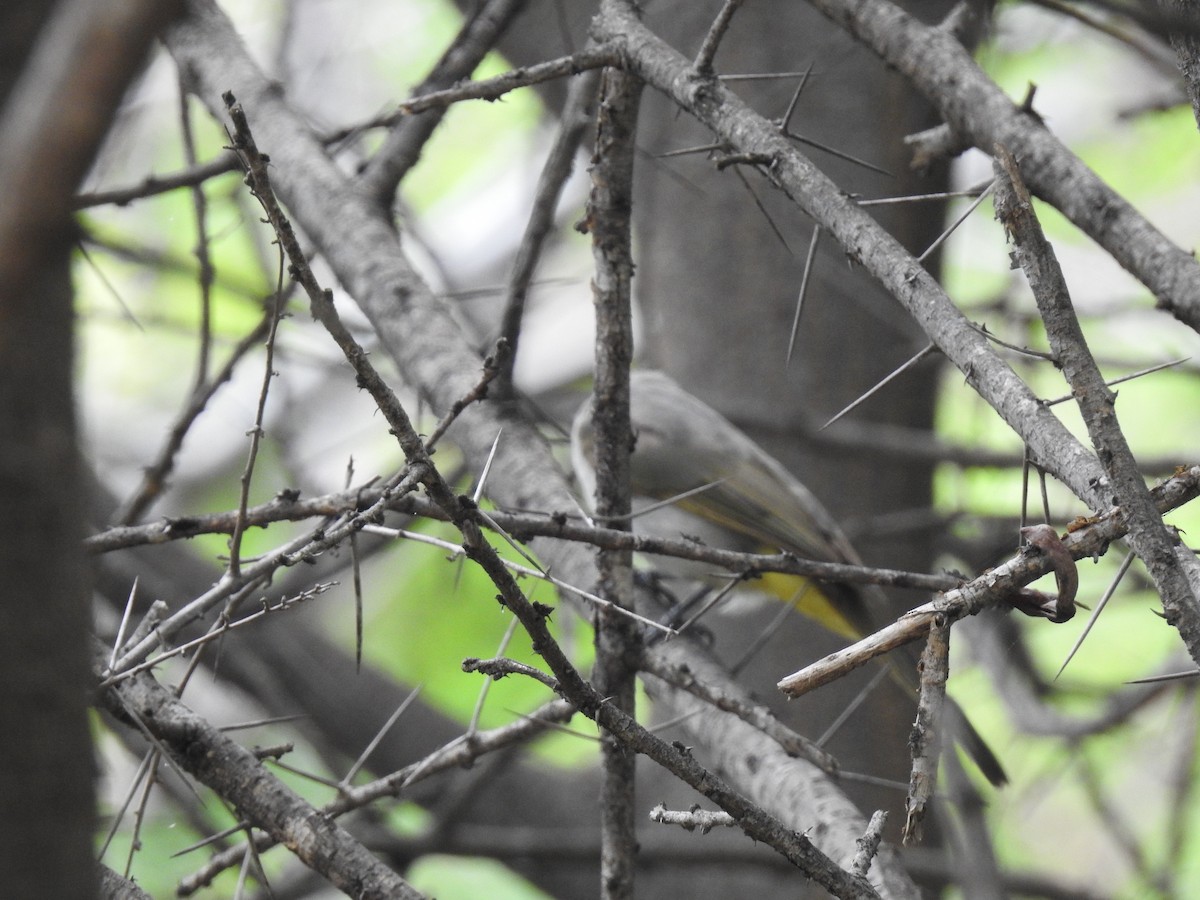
(617, 640)
(1176, 574)
(1090, 537)
(791, 174)
(570, 684)
(867, 243)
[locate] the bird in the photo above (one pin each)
(695, 473)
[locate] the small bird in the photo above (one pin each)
(733, 495)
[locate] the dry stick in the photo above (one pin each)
(1017, 348)
(748, 711)
(868, 844)
(1026, 464)
(454, 551)
(925, 741)
(597, 56)
(451, 69)
(610, 204)
(926, 198)
(784, 123)
(155, 475)
(795, 101)
(402, 148)
(575, 121)
(704, 820)
(203, 254)
(150, 775)
(852, 707)
(941, 142)
(370, 501)
(833, 151)
(237, 775)
(709, 603)
(458, 754)
(324, 311)
(766, 76)
(1162, 20)
(1148, 535)
(299, 549)
(762, 207)
(154, 184)
(703, 65)
(287, 507)
(493, 366)
(1091, 538)
(125, 614)
(768, 631)
(819, 799)
(256, 433)
(116, 818)
(356, 582)
(98, 271)
(117, 672)
(1045, 492)
(485, 688)
(758, 824)
(345, 782)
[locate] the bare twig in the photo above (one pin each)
(752, 713)
(703, 820)
(1148, 535)
(234, 772)
(868, 844)
(493, 365)
(593, 57)
(953, 226)
(576, 118)
(926, 742)
(712, 41)
(1090, 538)
(402, 147)
(456, 755)
(617, 644)
(153, 185)
(1113, 382)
